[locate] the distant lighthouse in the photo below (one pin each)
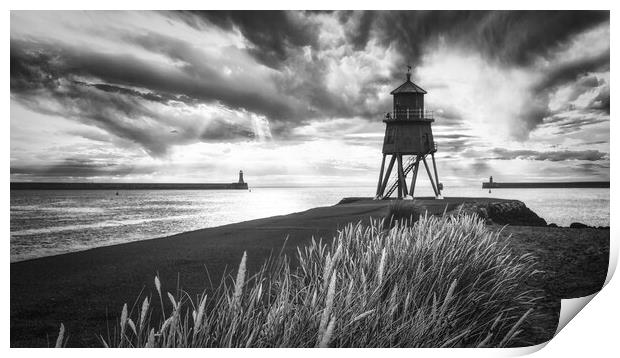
(241, 177)
(408, 140)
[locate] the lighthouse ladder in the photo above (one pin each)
(408, 167)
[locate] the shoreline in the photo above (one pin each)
(574, 225)
(85, 290)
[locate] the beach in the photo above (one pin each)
(86, 290)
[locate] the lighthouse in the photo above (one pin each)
(407, 144)
(241, 177)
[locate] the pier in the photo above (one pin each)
(545, 185)
(127, 186)
(239, 185)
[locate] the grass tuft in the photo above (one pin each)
(60, 341)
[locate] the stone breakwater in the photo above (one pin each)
(503, 213)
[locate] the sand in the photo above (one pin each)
(86, 290)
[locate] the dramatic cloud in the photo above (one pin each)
(152, 95)
(513, 37)
(273, 34)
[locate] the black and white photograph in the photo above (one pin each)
(306, 178)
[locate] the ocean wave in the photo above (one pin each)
(109, 223)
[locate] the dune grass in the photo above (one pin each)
(439, 282)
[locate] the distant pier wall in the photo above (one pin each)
(534, 185)
(128, 186)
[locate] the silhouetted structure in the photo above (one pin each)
(407, 133)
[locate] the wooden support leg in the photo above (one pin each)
(415, 174)
(400, 175)
(381, 175)
(430, 177)
(388, 172)
(404, 182)
(436, 176)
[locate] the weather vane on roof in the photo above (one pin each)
(408, 68)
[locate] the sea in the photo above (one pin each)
(52, 222)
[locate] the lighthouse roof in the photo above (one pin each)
(408, 86)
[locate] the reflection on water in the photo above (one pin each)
(51, 222)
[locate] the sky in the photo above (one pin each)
(297, 98)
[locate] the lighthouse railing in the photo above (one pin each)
(411, 114)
